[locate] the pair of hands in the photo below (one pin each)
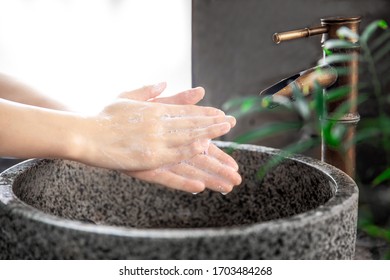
(163, 140)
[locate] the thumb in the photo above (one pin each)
(145, 93)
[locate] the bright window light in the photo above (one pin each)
(84, 53)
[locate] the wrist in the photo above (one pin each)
(76, 146)
(33, 132)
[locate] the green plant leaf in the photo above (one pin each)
(319, 103)
(344, 33)
(327, 51)
(274, 101)
(384, 176)
(377, 231)
(337, 93)
(237, 102)
(369, 227)
(342, 71)
(383, 24)
(247, 105)
(382, 52)
(300, 103)
(242, 106)
(333, 133)
(384, 69)
(380, 40)
(267, 102)
(382, 123)
(286, 152)
(231, 103)
(370, 30)
(338, 44)
(267, 130)
(338, 58)
(363, 135)
(341, 110)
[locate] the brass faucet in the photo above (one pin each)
(326, 76)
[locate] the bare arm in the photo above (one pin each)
(13, 90)
(29, 131)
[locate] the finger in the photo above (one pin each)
(212, 182)
(186, 136)
(223, 157)
(183, 123)
(169, 179)
(177, 154)
(231, 120)
(174, 111)
(216, 168)
(145, 93)
(190, 97)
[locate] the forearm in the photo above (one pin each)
(12, 90)
(33, 132)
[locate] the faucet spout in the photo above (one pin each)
(305, 81)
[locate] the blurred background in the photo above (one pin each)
(234, 55)
(84, 53)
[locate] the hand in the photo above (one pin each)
(132, 135)
(214, 170)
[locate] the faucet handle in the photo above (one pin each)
(329, 26)
(299, 33)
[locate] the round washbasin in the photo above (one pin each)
(57, 209)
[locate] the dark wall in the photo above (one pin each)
(233, 52)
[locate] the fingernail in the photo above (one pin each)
(216, 112)
(191, 92)
(158, 88)
(199, 89)
(221, 112)
(227, 188)
(239, 180)
(231, 120)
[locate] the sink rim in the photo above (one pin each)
(346, 193)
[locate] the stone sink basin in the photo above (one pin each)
(56, 209)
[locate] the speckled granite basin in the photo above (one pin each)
(303, 209)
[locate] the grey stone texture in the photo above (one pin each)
(56, 209)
